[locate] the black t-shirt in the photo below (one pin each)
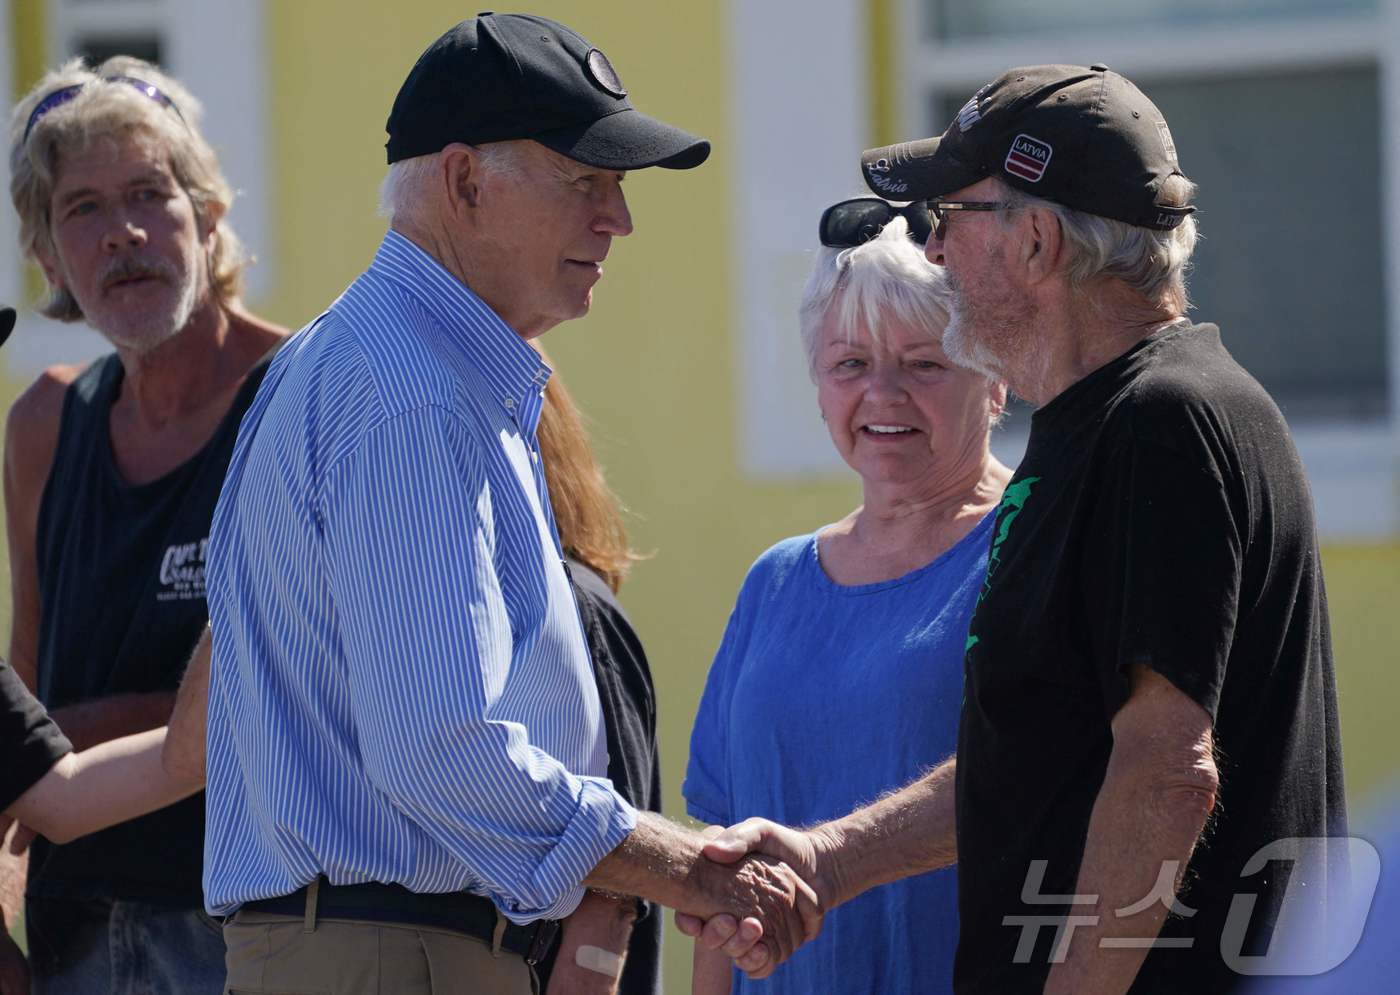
(628, 700)
(121, 581)
(1160, 517)
(31, 743)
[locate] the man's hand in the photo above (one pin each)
(14, 969)
(804, 852)
(767, 910)
(909, 831)
(768, 900)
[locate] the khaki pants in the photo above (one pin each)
(280, 955)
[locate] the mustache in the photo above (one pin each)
(135, 268)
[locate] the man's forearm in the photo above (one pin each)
(658, 861)
(593, 946)
(1143, 825)
(88, 723)
(908, 832)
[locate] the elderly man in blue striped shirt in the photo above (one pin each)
(405, 745)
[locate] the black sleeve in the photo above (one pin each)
(628, 700)
(1161, 572)
(625, 691)
(31, 741)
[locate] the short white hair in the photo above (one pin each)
(406, 179)
(863, 287)
(1152, 262)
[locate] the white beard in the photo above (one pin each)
(965, 350)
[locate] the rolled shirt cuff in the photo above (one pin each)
(600, 822)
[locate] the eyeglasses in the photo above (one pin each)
(940, 209)
(64, 94)
(853, 222)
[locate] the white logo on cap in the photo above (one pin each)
(1028, 158)
(603, 73)
(971, 111)
(1168, 146)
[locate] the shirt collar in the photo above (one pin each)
(514, 372)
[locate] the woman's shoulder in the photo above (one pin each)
(779, 563)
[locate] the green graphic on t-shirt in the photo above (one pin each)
(1013, 502)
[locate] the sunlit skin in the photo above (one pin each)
(990, 319)
(539, 239)
(130, 248)
(904, 382)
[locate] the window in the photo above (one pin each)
(1287, 114)
(217, 50)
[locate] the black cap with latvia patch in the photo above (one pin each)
(498, 77)
(1083, 137)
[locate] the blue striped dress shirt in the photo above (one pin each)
(400, 688)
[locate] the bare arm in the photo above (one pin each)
(907, 832)
(1157, 793)
(593, 947)
(110, 783)
(185, 744)
(31, 437)
(711, 971)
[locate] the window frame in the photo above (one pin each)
(227, 78)
(1351, 461)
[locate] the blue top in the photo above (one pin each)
(400, 688)
(821, 698)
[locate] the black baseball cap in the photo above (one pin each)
(497, 77)
(1083, 137)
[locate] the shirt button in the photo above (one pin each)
(510, 404)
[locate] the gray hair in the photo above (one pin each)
(406, 181)
(105, 109)
(1154, 263)
(886, 278)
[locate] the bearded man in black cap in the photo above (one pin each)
(406, 750)
(1150, 714)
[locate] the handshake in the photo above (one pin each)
(771, 884)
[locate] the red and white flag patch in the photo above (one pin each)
(1028, 158)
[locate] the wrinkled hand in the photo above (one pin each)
(14, 970)
(801, 851)
(775, 903)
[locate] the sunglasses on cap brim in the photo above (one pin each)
(856, 221)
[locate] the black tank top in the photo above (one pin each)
(121, 578)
